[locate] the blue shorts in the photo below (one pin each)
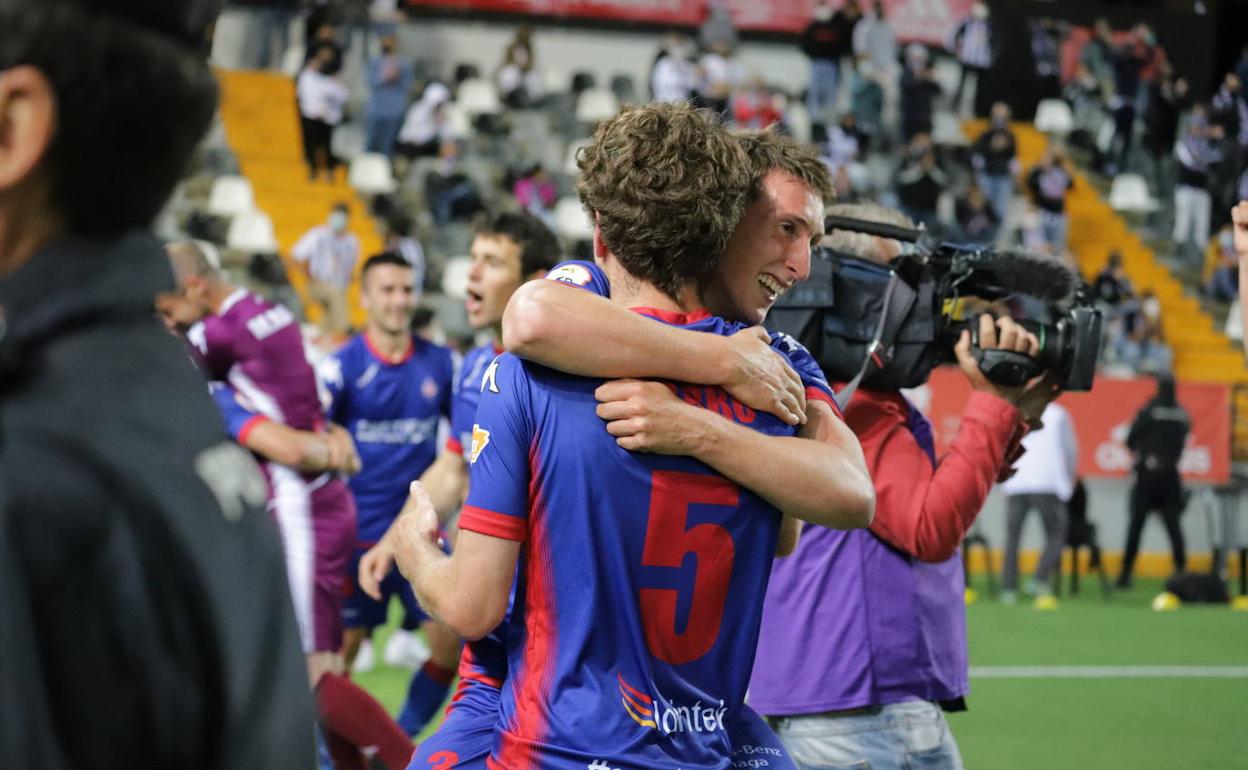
(464, 739)
(363, 611)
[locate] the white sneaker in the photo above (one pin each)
(365, 660)
(406, 649)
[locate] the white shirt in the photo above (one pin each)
(1051, 463)
(671, 80)
(421, 124)
(330, 256)
(720, 74)
(321, 97)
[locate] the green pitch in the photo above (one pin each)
(1108, 722)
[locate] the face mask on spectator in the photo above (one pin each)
(338, 221)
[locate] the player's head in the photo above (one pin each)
(508, 248)
(665, 185)
(197, 278)
(770, 249)
(101, 105)
(386, 293)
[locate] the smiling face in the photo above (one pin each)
(770, 250)
(386, 294)
(493, 277)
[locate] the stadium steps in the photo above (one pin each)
(262, 126)
(1201, 352)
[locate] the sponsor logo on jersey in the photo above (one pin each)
(409, 430)
(669, 718)
(480, 440)
(576, 275)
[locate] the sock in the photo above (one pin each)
(348, 713)
(424, 695)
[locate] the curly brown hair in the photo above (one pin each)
(667, 185)
(770, 151)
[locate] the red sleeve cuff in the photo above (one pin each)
(492, 523)
(817, 394)
(251, 424)
(453, 445)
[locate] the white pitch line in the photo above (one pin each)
(1109, 672)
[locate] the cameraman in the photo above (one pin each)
(884, 606)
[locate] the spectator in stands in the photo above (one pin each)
(978, 220)
(994, 156)
(1097, 57)
(272, 27)
(390, 78)
(1044, 482)
(920, 181)
(721, 75)
(974, 44)
(322, 98)
(327, 255)
(673, 77)
(868, 99)
(1222, 278)
(1112, 289)
(1167, 99)
(398, 239)
(1048, 183)
(717, 28)
(321, 34)
(919, 91)
(1197, 156)
(1128, 62)
(1230, 108)
(1083, 92)
(1157, 437)
(827, 39)
(1143, 348)
(756, 106)
(875, 44)
(1046, 44)
(845, 145)
(449, 192)
(519, 82)
(535, 192)
(425, 125)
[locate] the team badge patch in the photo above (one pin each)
(480, 440)
(576, 275)
(429, 388)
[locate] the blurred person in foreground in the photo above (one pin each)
(143, 602)
(886, 603)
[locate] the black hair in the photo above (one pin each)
(539, 248)
(131, 105)
(384, 258)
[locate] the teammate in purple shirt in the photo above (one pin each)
(588, 667)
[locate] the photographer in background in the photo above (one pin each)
(886, 603)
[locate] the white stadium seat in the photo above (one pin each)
(596, 104)
(371, 174)
(251, 232)
(571, 221)
(230, 195)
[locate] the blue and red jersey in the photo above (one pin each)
(392, 410)
(467, 394)
(622, 647)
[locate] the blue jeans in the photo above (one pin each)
(380, 133)
(998, 189)
(900, 736)
(821, 92)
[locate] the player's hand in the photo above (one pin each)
(415, 530)
(342, 453)
(647, 416)
(375, 564)
(1039, 393)
(761, 379)
(999, 334)
(1239, 220)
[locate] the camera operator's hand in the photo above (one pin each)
(1039, 394)
(998, 334)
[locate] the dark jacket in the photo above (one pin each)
(147, 619)
(1157, 436)
(831, 39)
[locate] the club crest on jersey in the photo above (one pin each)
(480, 440)
(576, 275)
(667, 718)
(429, 388)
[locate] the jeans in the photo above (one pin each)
(821, 92)
(998, 189)
(900, 736)
(380, 133)
(1053, 226)
(1191, 215)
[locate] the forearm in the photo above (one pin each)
(815, 481)
(446, 481)
(440, 589)
(581, 333)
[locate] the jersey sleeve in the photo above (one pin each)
(330, 374)
(502, 435)
(239, 420)
(464, 407)
(582, 274)
(817, 387)
(210, 346)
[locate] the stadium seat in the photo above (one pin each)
(595, 104)
(554, 81)
(370, 174)
(455, 277)
(571, 221)
(251, 232)
(1053, 117)
(478, 96)
(623, 87)
(230, 195)
(292, 60)
(947, 130)
(1129, 193)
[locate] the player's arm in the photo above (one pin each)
(579, 332)
(467, 590)
(790, 535)
(818, 476)
(304, 451)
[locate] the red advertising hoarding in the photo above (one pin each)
(1102, 418)
(929, 21)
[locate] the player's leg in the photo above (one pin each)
(406, 648)
(431, 684)
(464, 739)
(361, 613)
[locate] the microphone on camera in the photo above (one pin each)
(1026, 272)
